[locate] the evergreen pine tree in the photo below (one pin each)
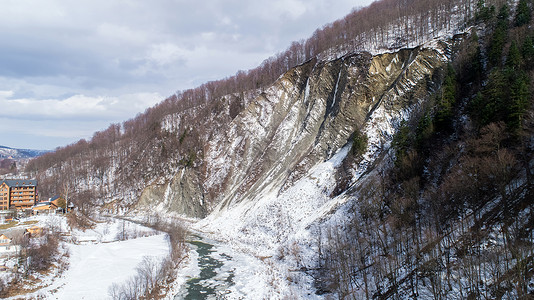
(504, 13)
(359, 143)
(477, 65)
(484, 13)
(424, 130)
(518, 101)
(523, 15)
(493, 108)
(527, 50)
(402, 141)
(496, 47)
(513, 60)
(476, 107)
(448, 99)
(499, 36)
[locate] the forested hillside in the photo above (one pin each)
(171, 136)
(451, 218)
(387, 156)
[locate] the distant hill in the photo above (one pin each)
(16, 154)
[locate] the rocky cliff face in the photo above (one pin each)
(303, 119)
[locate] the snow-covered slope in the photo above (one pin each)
(303, 119)
(11, 153)
(281, 221)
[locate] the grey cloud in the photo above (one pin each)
(60, 49)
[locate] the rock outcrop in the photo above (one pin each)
(307, 115)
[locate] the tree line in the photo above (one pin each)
(142, 148)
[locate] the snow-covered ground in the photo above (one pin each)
(278, 229)
(94, 267)
(269, 239)
(96, 258)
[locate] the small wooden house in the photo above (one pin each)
(4, 240)
(44, 207)
(7, 247)
(34, 230)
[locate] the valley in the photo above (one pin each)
(388, 160)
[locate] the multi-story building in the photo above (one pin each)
(18, 194)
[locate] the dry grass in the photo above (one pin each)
(16, 223)
(21, 289)
(8, 225)
(30, 222)
(263, 258)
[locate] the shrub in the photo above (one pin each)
(359, 143)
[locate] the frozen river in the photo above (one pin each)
(214, 276)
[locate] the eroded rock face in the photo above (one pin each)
(182, 194)
(301, 120)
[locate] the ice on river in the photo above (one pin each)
(216, 271)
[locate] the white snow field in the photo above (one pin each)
(95, 267)
(97, 258)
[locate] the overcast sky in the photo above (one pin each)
(70, 68)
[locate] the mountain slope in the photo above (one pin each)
(307, 115)
(401, 173)
(170, 139)
(10, 153)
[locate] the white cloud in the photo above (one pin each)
(120, 34)
(105, 61)
(292, 8)
(226, 21)
(78, 106)
(17, 13)
(166, 53)
(6, 94)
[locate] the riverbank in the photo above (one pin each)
(216, 270)
(212, 277)
(96, 258)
